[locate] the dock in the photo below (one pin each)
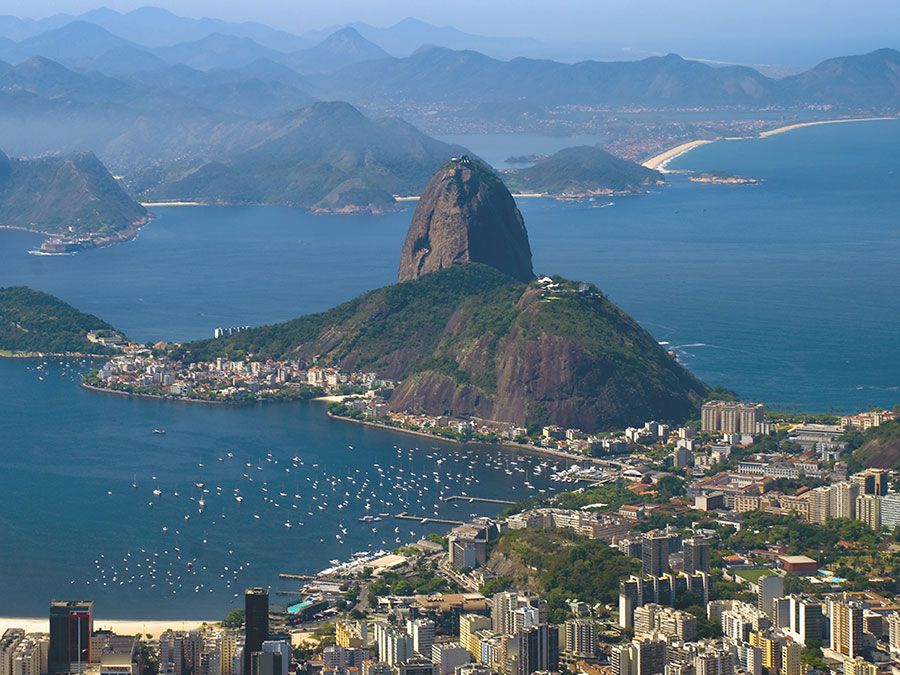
(428, 519)
(484, 500)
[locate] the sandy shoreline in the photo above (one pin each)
(173, 203)
(800, 125)
(120, 626)
(659, 162)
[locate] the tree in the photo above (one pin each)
(235, 619)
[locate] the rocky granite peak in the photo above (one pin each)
(466, 215)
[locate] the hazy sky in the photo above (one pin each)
(711, 28)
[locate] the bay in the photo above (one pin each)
(786, 291)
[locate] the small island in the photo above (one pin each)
(723, 179)
(581, 174)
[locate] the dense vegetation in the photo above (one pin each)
(72, 195)
(32, 321)
(560, 566)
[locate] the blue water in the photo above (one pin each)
(785, 291)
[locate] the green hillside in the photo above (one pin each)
(469, 340)
(32, 321)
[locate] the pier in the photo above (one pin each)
(485, 500)
(428, 519)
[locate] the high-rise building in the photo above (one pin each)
(422, 633)
(819, 500)
(8, 643)
(580, 639)
(868, 510)
(843, 499)
(71, 626)
(859, 666)
(469, 626)
(890, 511)
(872, 482)
(416, 666)
(505, 615)
(713, 661)
(283, 649)
(791, 659)
(846, 626)
(447, 656)
(769, 645)
(747, 658)
(732, 417)
(655, 550)
(639, 657)
(769, 587)
(806, 620)
(394, 646)
(696, 554)
(256, 624)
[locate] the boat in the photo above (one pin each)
(161, 432)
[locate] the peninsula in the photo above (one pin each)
(470, 332)
(72, 199)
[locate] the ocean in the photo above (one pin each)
(786, 292)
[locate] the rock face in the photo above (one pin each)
(466, 215)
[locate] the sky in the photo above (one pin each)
(776, 31)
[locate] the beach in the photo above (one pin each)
(121, 627)
(659, 162)
(800, 125)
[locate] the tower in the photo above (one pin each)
(71, 626)
(256, 623)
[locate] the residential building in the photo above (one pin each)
(696, 554)
(769, 587)
(732, 417)
(846, 626)
(859, 666)
(868, 510)
(469, 627)
(422, 633)
(791, 659)
(580, 638)
(448, 656)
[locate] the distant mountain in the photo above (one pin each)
(74, 44)
(217, 51)
(583, 171)
(154, 27)
(408, 35)
(124, 60)
(442, 75)
(42, 76)
(872, 78)
(72, 196)
(326, 157)
(157, 27)
(468, 340)
(35, 322)
(342, 48)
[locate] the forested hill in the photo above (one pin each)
(36, 322)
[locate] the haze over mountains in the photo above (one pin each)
(219, 111)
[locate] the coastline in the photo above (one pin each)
(533, 449)
(158, 397)
(800, 125)
(660, 161)
(9, 354)
(121, 626)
